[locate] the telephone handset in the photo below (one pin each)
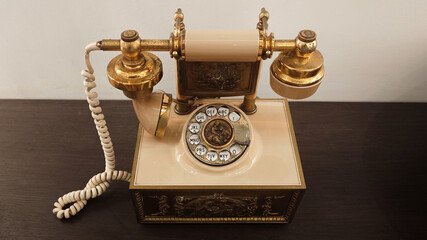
(217, 134)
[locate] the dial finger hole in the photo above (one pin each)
(194, 139)
(201, 117)
(201, 150)
(223, 111)
(211, 156)
(194, 128)
(234, 116)
(235, 149)
(211, 111)
(224, 155)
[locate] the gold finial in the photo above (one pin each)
(175, 39)
(262, 24)
(178, 14)
(264, 14)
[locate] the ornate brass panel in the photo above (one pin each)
(217, 79)
(216, 205)
(200, 205)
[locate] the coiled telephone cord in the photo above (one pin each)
(99, 183)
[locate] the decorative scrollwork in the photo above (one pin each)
(216, 205)
(139, 202)
(292, 204)
(162, 205)
(218, 132)
(217, 76)
(268, 204)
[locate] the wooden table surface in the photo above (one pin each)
(364, 165)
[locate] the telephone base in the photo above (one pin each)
(264, 186)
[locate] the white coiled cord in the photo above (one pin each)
(101, 181)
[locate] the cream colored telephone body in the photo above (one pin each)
(199, 141)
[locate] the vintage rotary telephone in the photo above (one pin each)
(215, 133)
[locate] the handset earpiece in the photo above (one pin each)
(136, 72)
(297, 74)
(153, 112)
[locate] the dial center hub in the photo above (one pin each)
(218, 132)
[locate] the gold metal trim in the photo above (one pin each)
(261, 46)
(292, 205)
(240, 187)
(294, 141)
(215, 220)
(183, 44)
(176, 37)
(139, 206)
(284, 45)
(248, 105)
(266, 41)
(155, 45)
(184, 108)
(294, 70)
(110, 44)
(164, 115)
(132, 80)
